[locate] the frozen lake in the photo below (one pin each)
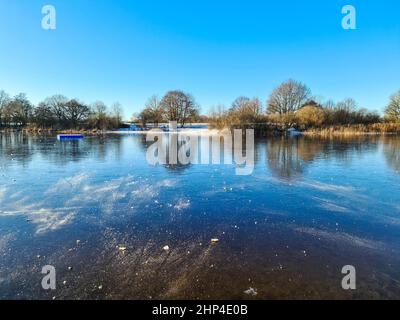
(104, 218)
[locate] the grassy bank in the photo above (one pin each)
(334, 130)
(50, 131)
(353, 130)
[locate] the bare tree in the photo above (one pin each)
(172, 104)
(240, 103)
(392, 111)
(146, 116)
(247, 110)
(58, 106)
(4, 101)
(288, 97)
(43, 115)
(217, 111)
(155, 110)
(98, 115)
(19, 110)
(255, 106)
(348, 105)
(152, 113)
(76, 112)
(4, 98)
(117, 113)
(329, 105)
(179, 106)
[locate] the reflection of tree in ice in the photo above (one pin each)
(289, 157)
(20, 147)
(169, 148)
(15, 147)
(284, 158)
(392, 153)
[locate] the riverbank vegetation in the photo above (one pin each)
(175, 106)
(291, 105)
(57, 113)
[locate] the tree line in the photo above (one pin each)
(292, 104)
(57, 112)
(176, 106)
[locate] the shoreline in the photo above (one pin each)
(391, 129)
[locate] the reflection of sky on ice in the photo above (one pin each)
(341, 238)
(74, 196)
(3, 191)
(329, 199)
(112, 189)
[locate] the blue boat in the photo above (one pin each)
(70, 137)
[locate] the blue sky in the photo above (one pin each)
(128, 50)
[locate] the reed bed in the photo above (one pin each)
(354, 130)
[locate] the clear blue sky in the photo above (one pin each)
(128, 50)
